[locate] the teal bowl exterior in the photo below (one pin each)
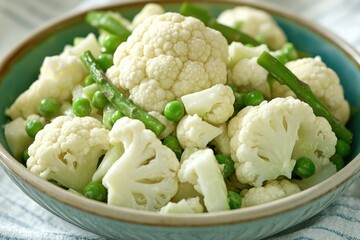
(21, 67)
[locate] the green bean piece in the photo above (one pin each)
(342, 148)
(253, 98)
(108, 111)
(95, 191)
(303, 91)
(105, 60)
(81, 107)
(227, 162)
(88, 81)
(304, 167)
(174, 111)
(124, 105)
(110, 43)
(116, 116)
(104, 21)
(98, 100)
(173, 143)
(231, 34)
(338, 161)
(49, 107)
(235, 200)
(32, 127)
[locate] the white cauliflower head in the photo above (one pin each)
(266, 140)
(144, 177)
(193, 132)
(215, 105)
(202, 170)
(67, 150)
(324, 83)
(222, 141)
(255, 22)
(243, 69)
(166, 57)
(272, 191)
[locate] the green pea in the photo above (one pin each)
(49, 107)
(174, 111)
(338, 161)
(81, 107)
(253, 98)
(88, 81)
(98, 100)
(105, 60)
(173, 143)
(116, 116)
(227, 162)
(304, 167)
(110, 43)
(234, 200)
(342, 148)
(282, 58)
(95, 191)
(32, 127)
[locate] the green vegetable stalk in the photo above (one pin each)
(231, 34)
(105, 21)
(284, 76)
(115, 97)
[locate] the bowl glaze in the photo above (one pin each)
(19, 68)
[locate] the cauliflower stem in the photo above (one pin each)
(303, 92)
(127, 107)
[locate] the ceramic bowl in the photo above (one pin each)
(21, 67)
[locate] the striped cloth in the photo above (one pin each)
(22, 218)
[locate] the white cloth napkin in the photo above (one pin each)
(22, 218)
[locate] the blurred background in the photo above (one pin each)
(21, 218)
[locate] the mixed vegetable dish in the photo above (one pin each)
(182, 112)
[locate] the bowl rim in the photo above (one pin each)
(179, 220)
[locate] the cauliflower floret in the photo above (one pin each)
(214, 105)
(168, 56)
(244, 71)
(222, 141)
(202, 170)
(58, 76)
(170, 125)
(147, 11)
(265, 139)
(88, 43)
(67, 150)
(144, 177)
(272, 191)
(256, 23)
(191, 205)
(324, 83)
(193, 132)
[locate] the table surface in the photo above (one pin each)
(22, 218)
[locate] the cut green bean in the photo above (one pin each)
(284, 76)
(104, 21)
(126, 106)
(173, 143)
(231, 34)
